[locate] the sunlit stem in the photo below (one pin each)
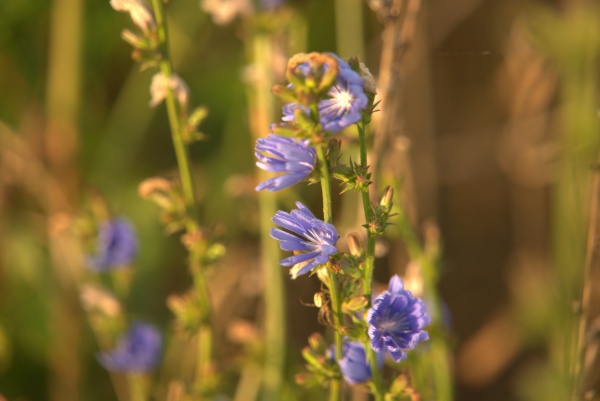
(205, 343)
(138, 387)
(369, 262)
(261, 107)
(173, 110)
(335, 385)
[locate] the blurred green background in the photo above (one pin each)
(476, 149)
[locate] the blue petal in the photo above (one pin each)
(295, 259)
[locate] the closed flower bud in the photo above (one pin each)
(95, 299)
(134, 39)
(323, 275)
(138, 10)
(317, 342)
(354, 244)
(386, 201)
(368, 81)
(161, 85)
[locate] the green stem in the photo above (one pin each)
(138, 387)
(173, 111)
(261, 107)
(335, 385)
(369, 262)
(205, 341)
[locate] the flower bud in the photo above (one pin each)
(317, 342)
(158, 190)
(95, 299)
(354, 244)
(138, 10)
(134, 39)
(323, 275)
(386, 201)
(368, 80)
(160, 86)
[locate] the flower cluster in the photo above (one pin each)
(343, 104)
(138, 350)
(325, 95)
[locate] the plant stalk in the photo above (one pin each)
(335, 385)
(205, 340)
(369, 262)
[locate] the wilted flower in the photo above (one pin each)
(137, 351)
(160, 84)
(224, 11)
(344, 103)
(396, 321)
(95, 299)
(138, 10)
(116, 245)
(278, 154)
(313, 241)
(368, 80)
(354, 365)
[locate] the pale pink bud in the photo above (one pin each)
(139, 11)
(160, 85)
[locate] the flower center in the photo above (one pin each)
(343, 99)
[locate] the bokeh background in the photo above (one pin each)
(475, 144)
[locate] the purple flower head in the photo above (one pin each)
(116, 245)
(311, 240)
(396, 321)
(345, 100)
(279, 154)
(354, 365)
(137, 351)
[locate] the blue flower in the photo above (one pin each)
(345, 100)
(396, 321)
(312, 240)
(279, 154)
(354, 365)
(137, 351)
(116, 245)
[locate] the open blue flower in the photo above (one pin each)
(311, 240)
(344, 104)
(278, 154)
(137, 351)
(396, 321)
(354, 365)
(116, 245)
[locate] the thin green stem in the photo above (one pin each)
(369, 261)
(205, 341)
(261, 107)
(335, 385)
(173, 111)
(138, 387)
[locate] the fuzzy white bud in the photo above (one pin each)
(138, 10)
(160, 85)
